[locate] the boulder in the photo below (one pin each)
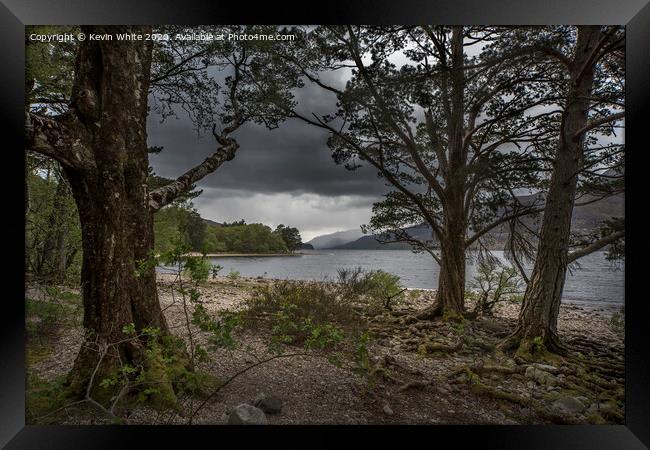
(270, 404)
(568, 405)
(387, 410)
(540, 376)
(247, 415)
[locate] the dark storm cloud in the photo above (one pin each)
(286, 175)
(293, 158)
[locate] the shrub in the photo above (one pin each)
(216, 268)
(377, 287)
(197, 268)
(302, 313)
(617, 321)
(494, 283)
(233, 274)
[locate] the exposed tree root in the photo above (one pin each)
(433, 347)
(389, 360)
(482, 368)
(413, 385)
(484, 389)
(433, 312)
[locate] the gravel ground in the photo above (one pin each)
(315, 391)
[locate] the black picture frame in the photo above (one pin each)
(14, 14)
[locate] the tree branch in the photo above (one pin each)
(501, 220)
(595, 246)
(51, 137)
(598, 122)
(168, 193)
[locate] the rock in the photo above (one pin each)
(387, 410)
(270, 404)
(568, 405)
(547, 368)
(540, 376)
(247, 415)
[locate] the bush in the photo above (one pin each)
(617, 321)
(197, 268)
(494, 283)
(302, 313)
(376, 287)
(233, 274)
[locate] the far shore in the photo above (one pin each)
(225, 255)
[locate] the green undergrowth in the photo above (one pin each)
(57, 308)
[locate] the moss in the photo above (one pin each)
(43, 397)
(612, 411)
(35, 354)
(455, 317)
(434, 348)
(532, 350)
(596, 419)
(157, 383)
(551, 396)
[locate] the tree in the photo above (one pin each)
(100, 141)
(51, 242)
(450, 133)
(291, 237)
(52, 232)
(239, 237)
(594, 93)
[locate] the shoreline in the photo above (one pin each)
(603, 311)
(240, 255)
(420, 386)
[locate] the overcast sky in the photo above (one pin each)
(286, 175)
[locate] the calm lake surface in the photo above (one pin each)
(597, 284)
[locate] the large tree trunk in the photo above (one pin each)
(110, 190)
(450, 296)
(541, 304)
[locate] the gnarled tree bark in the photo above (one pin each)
(101, 144)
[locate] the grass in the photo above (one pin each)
(57, 308)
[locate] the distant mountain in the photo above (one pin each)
(585, 218)
(421, 232)
(335, 239)
(589, 216)
(212, 222)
